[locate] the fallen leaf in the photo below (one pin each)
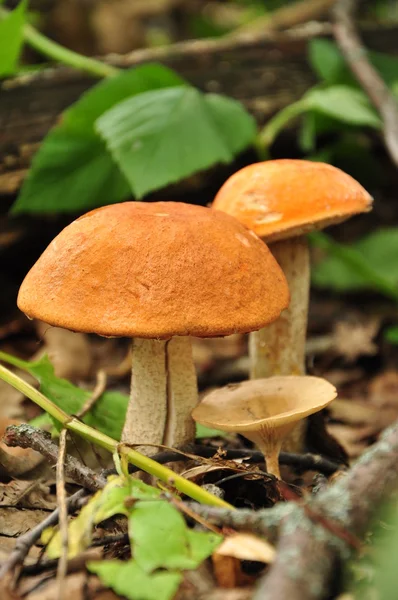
(17, 521)
(246, 546)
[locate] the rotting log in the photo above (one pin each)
(264, 73)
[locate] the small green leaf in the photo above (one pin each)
(130, 581)
(160, 538)
(345, 104)
(108, 413)
(326, 60)
(162, 136)
(207, 432)
(11, 39)
(73, 170)
(391, 335)
(378, 251)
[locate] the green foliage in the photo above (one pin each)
(130, 581)
(161, 136)
(73, 170)
(207, 432)
(130, 134)
(374, 575)
(369, 264)
(108, 413)
(11, 39)
(392, 335)
(334, 104)
(162, 545)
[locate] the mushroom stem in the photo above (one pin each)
(279, 348)
(270, 445)
(147, 409)
(182, 393)
(163, 394)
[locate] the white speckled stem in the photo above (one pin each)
(147, 409)
(279, 348)
(163, 394)
(182, 392)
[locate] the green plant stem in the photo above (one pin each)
(100, 439)
(268, 134)
(354, 259)
(58, 53)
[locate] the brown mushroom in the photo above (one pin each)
(265, 411)
(157, 272)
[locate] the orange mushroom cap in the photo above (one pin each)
(154, 270)
(285, 198)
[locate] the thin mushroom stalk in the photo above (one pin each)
(279, 348)
(163, 394)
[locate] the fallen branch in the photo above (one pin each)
(26, 436)
(308, 552)
(373, 85)
(315, 535)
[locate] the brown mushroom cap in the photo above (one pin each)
(284, 198)
(154, 270)
(257, 403)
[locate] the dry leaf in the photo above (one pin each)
(17, 521)
(246, 546)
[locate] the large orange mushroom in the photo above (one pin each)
(158, 272)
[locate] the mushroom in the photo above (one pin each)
(265, 411)
(158, 272)
(281, 200)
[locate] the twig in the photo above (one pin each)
(308, 551)
(286, 17)
(26, 541)
(355, 54)
(26, 436)
(63, 515)
(97, 392)
(302, 462)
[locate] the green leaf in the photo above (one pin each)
(130, 581)
(73, 170)
(326, 60)
(108, 413)
(162, 136)
(391, 335)
(207, 432)
(11, 39)
(378, 252)
(160, 538)
(345, 104)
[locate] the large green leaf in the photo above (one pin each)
(11, 39)
(73, 170)
(130, 581)
(379, 250)
(160, 538)
(159, 137)
(108, 413)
